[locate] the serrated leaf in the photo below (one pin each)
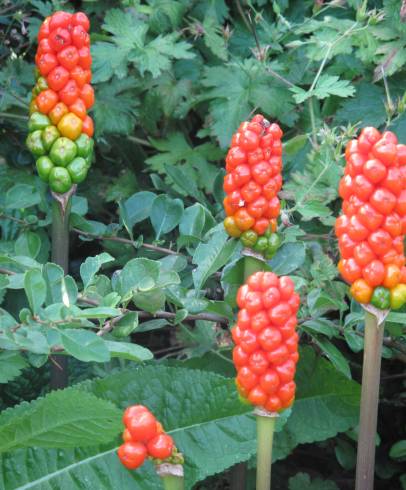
(68, 418)
(366, 108)
(11, 365)
(115, 110)
(248, 85)
(327, 85)
(84, 345)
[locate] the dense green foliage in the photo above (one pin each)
(152, 273)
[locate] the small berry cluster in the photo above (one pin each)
(252, 182)
(145, 437)
(266, 350)
(371, 229)
(60, 130)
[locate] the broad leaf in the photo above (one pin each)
(84, 345)
(91, 267)
(211, 256)
(166, 213)
(68, 418)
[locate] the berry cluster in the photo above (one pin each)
(60, 130)
(370, 231)
(252, 182)
(266, 354)
(145, 437)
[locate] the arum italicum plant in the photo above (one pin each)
(60, 130)
(370, 234)
(265, 354)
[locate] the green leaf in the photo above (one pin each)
(211, 256)
(313, 209)
(193, 220)
(213, 37)
(115, 110)
(302, 481)
(84, 345)
(32, 340)
(125, 350)
(166, 214)
(11, 365)
(334, 355)
(222, 423)
(138, 274)
(91, 267)
(68, 418)
(288, 258)
(22, 196)
(398, 450)
(99, 312)
(326, 403)
(28, 243)
(366, 108)
(126, 325)
(35, 289)
(248, 85)
(327, 85)
(138, 207)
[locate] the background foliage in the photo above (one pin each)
(146, 310)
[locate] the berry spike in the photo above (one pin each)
(252, 182)
(60, 130)
(144, 437)
(265, 353)
(371, 227)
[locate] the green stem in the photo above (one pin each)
(369, 402)
(265, 431)
(171, 482)
(60, 256)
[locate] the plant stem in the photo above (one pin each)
(265, 431)
(171, 482)
(60, 255)
(369, 402)
(171, 476)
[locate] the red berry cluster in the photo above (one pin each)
(253, 179)
(370, 231)
(63, 58)
(143, 436)
(266, 350)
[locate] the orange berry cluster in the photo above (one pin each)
(253, 179)
(59, 124)
(266, 342)
(370, 231)
(145, 437)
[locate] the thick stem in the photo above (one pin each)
(171, 482)
(171, 476)
(60, 255)
(265, 431)
(369, 402)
